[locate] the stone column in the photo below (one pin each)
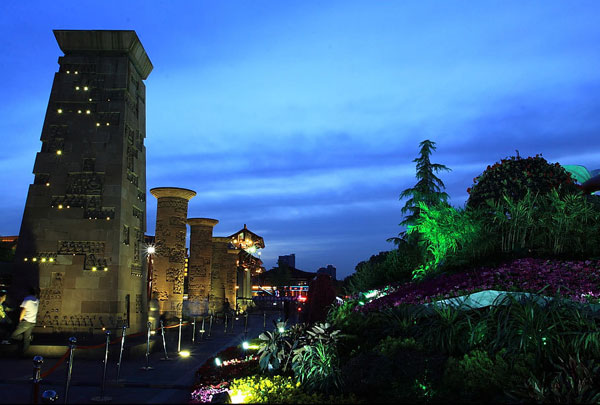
(223, 277)
(231, 264)
(199, 265)
(169, 260)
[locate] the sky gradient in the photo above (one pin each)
(301, 118)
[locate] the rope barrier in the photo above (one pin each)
(117, 340)
(55, 366)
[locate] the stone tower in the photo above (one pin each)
(223, 273)
(169, 260)
(83, 227)
(200, 262)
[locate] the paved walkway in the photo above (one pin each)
(168, 381)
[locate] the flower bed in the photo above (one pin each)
(577, 280)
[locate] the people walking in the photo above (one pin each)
(27, 318)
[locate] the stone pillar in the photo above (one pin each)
(199, 265)
(223, 277)
(169, 260)
(231, 264)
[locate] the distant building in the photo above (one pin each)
(288, 260)
(329, 270)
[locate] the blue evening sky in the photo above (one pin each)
(301, 118)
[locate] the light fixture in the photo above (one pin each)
(108, 218)
(97, 124)
(59, 152)
(68, 71)
(76, 87)
(76, 72)
(34, 259)
(184, 353)
(94, 268)
(51, 259)
(43, 260)
(47, 184)
(60, 206)
(85, 88)
(107, 124)
(59, 111)
(78, 111)
(87, 111)
(218, 362)
(151, 250)
(25, 259)
(245, 345)
(106, 269)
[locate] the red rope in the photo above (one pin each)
(58, 363)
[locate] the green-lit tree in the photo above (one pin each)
(429, 189)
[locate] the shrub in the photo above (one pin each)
(385, 268)
(477, 373)
(514, 176)
(281, 390)
(390, 346)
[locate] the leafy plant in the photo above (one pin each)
(514, 176)
(277, 347)
(572, 381)
(317, 367)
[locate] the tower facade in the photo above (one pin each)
(82, 232)
(200, 262)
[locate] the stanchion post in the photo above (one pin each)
(72, 344)
(210, 325)
(102, 398)
(246, 323)
(264, 320)
(37, 369)
(179, 339)
(225, 322)
(121, 351)
(147, 366)
(202, 330)
(162, 332)
(194, 331)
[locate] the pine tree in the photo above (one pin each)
(429, 188)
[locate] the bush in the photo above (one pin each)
(281, 390)
(514, 176)
(385, 268)
(478, 374)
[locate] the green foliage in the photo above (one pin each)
(514, 176)
(550, 223)
(282, 390)
(429, 188)
(390, 346)
(478, 374)
(277, 347)
(444, 230)
(318, 368)
(385, 268)
(571, 381)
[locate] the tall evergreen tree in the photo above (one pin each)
(429, 188)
